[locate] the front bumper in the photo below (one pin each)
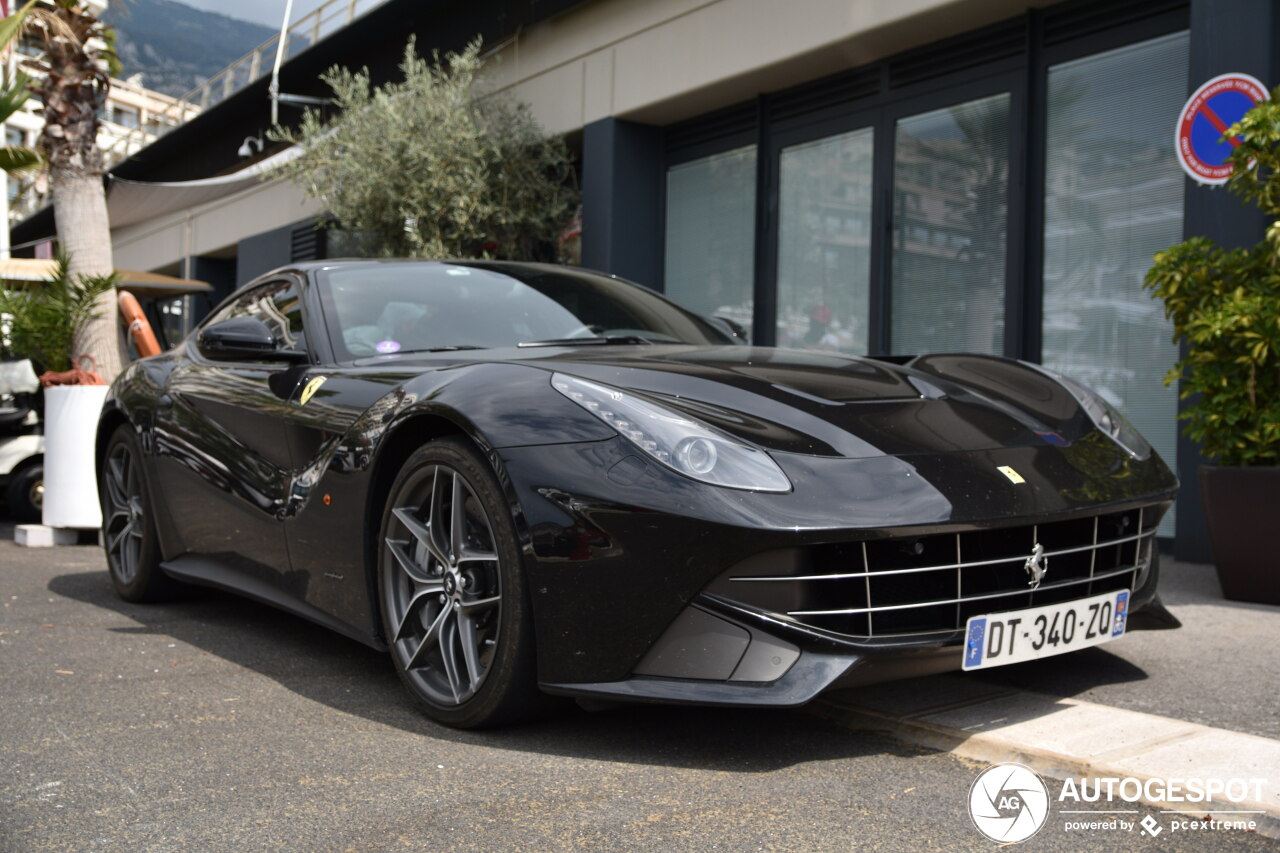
(619, 551)
(709, 668)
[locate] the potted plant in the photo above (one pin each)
(1225, 305)
(41, 322)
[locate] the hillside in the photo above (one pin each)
(176, 47)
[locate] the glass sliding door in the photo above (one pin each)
(710, 239)
(824, 243)
(1113, 198)
(950, 212)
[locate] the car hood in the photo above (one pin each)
(829, 404)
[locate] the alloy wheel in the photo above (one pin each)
(443, 585)
(124, 523)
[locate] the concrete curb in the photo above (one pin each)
(1069, 739)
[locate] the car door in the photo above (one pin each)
(223, 460)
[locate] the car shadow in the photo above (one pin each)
(1069, 675)
(1062, 677)
(340, 673)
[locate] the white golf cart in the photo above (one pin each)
(21, 442)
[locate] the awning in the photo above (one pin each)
(142, 284)
(130, 202)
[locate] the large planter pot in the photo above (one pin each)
(1243, 509)
(70, 470)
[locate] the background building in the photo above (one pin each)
(922, 175)
(131, 119)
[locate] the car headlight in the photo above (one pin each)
(685, 445)
(1106, 418)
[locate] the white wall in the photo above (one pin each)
(210, 227)
(660, 61)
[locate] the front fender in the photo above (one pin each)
(132, 400)
(505, 405)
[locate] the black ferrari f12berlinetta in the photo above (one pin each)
(525, 479)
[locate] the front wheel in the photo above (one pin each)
(452, 593)
(128, 529)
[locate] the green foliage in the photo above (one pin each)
(1225, 304)
(11, 27)
(425, 168)
(15, 159)
(19, 159)
(44, 318)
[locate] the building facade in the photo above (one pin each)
(853, 175)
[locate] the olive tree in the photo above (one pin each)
(430, 167)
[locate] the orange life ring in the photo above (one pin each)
(131, 313)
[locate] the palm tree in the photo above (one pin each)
(14, 159)
(73, 78)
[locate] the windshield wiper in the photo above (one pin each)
(587, 342)
(447, 348)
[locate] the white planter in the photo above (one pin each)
(70, 470)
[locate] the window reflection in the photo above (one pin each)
(1113, 198)
(824, 243)
(710, 240)
(950, 203)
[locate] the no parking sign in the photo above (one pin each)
(1212, 109)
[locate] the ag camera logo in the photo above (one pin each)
(1008, 803)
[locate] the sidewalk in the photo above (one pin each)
(1199, 702)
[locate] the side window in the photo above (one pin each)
(278, 305)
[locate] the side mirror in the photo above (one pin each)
(244, 338)
(732, 328)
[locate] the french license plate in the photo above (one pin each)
(1020, 635)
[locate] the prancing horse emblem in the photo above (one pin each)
(1037, 566)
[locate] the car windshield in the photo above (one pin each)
(385, 308)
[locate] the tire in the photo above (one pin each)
(26, 493)
(128, 527)
(455, 610)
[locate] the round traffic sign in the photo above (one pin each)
(1208, 113)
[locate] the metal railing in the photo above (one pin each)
(321, 22)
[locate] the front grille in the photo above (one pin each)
(917, 585)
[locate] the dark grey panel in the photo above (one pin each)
(1242, 36)
(697, 645)
(622, 181)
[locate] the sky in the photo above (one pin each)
(269, 13)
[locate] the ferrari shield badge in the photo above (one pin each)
(1014, 476)
(311, 388)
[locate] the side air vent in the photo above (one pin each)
(1075, 20)
(980, 47)
(731, 121)
(834, 91)
(307, 243)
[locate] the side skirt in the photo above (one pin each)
(205, 572)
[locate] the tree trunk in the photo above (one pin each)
(80, 210)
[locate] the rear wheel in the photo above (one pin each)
(128, 529)
(453, 599)
(26, 493)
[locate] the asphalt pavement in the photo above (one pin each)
(215, 723)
